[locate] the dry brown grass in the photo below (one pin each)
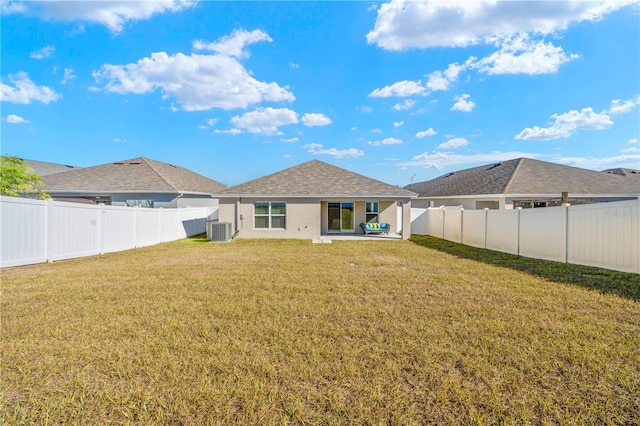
(275, 331)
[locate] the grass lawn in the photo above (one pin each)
(285, 331)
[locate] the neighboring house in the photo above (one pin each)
(522, 182)
(137, 182)
(311, 200)
(43, 168)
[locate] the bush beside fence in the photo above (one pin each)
(36, 231)
(606, 235)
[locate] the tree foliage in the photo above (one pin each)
(16, 178)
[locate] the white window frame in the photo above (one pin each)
(270, 215)
(375, 213)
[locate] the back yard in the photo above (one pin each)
(284, 331)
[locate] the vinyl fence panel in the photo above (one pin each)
(418, 221)
(453, 225)
(474, 228)
(435, 222)
(118, 229)
(73, 230)
(148, 227)
(543, 233)
(502, 230)
(23, 231)
(606, 235)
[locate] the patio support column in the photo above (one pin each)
(406, 219)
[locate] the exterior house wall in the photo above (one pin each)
(388, 212)
(303, 218)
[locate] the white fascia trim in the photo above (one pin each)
(319, 197)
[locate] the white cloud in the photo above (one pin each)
(408, 104)
(365, 109)
(312, 119)
(402, 25)
(317, 149)
(630, 149)
(376, 130)
(202, 127)
(212, 121)
(290, 140)
(233, 45)
(26, 91)
(633, 141)
(198, 82)
(520, 55)
(440, 160)
(45, 52)
(454, 143)
(398, 123)
(265, 121)
(400, 89)
(425, 133)
(112, 14)
(441, 80)
(462, 104)
(293, 65)
(620, 107)
(16, 119)
(228, 132)
(565, 124)
(68, 75)
(387, 141)
(354, 128)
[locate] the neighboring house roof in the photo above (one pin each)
(623, 172)
(135, 175)
(316, 179)
(525, 176)
(43, 168)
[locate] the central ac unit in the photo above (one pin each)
(219, 231)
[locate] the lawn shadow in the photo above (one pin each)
(604, 280)
(198, 239)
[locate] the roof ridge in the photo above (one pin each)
(516, 169)
(160, 175)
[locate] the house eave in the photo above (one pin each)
(320, 196)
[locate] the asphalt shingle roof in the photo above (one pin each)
(43, 168)
(316, 178)
(138, 174)
(623, 172)
(525, 176)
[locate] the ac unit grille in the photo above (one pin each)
(219, 231)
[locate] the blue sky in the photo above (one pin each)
(398, 91)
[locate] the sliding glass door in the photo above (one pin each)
(340, 217)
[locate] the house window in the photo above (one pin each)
(140, 203)
(269, 214)
(372, 211)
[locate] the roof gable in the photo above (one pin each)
(525, 176)
(137, 174)
(316, 178)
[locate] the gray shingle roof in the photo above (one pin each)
(316, 178)
(138, 174)
(525, 176)
(43, 168)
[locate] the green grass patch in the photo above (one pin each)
(604, 280)
(285, 331)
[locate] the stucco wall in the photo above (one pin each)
(303, 218)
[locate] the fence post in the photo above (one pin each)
(48, 230)
(486, 224)
(461, 223)
(518, 246)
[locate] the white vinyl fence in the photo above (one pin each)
(36, 231)
(606, 235)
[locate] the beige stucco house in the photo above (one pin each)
(312, 200)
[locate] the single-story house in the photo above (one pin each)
(523, 182)
(311, 200)
(136, 182)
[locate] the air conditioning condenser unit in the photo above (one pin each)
(219, 231)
